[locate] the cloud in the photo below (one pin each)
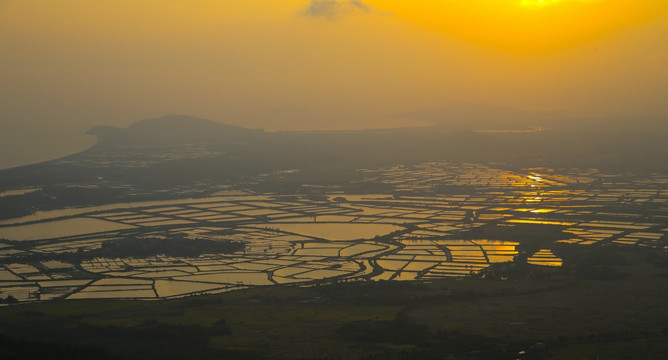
(335, 9)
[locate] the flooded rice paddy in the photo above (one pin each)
(60, 228)
(412, 233)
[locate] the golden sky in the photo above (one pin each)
(68, 65)
(529, 26)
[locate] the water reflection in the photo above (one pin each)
(338, 231)
(545, 257)
(60, 228)
(302, 241)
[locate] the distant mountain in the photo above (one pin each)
(182, 150)
(172, 129)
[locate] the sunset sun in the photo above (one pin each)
(541, 3)
(530, 26)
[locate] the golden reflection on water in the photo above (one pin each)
(338, 231)
(545, 257)
(540, 222)
(60, 228)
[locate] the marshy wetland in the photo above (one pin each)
(495, 217)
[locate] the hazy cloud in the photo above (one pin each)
(334, 9)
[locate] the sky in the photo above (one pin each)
(69, 65)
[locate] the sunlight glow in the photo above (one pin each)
(528, 26)
(543, 3)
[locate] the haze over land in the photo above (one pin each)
(320, 65)
(333, 179)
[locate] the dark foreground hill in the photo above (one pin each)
(537, 314)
